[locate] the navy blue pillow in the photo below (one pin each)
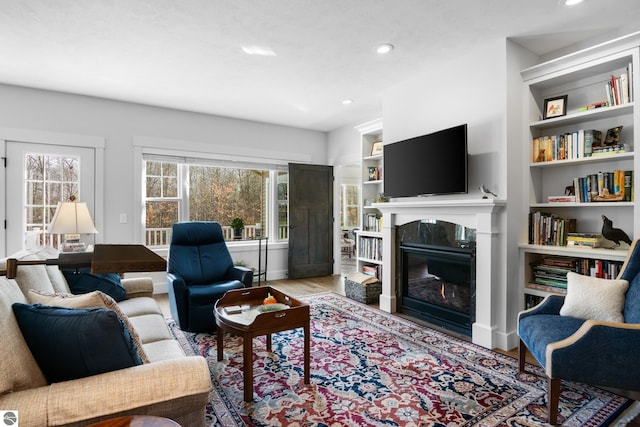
(82, 282)
(72, 343)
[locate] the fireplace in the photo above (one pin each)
(481, 219)
(436, 274)
(438, 285)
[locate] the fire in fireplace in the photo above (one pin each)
(437, 282)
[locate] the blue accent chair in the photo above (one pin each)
(594, 352)
(199, 271)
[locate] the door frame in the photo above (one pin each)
(98, 143)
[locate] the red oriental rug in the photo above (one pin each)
(370, 368)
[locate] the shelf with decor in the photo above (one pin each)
(369, 240)
(579, 160)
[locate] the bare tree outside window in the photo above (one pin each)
(208, 193)
(49, 179)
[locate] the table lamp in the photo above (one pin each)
(72, 219)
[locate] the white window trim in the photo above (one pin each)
(145, 145)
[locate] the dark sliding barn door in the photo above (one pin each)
(310, 220)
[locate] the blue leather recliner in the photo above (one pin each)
(199, 271)
(596, 352)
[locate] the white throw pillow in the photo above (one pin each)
(594, 298)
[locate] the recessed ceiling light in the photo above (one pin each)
(384, 48)
(258, 50)
(347, 101)
(572, 2)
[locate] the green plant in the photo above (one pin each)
(237, 223)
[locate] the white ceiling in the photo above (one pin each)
(187, 54)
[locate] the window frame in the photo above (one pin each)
(236, 156)
(183, 193)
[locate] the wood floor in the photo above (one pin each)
(335, 283)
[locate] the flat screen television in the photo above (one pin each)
(430, 164)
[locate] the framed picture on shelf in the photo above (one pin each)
(376, 148)
(555, 107)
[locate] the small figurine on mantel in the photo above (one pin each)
(614, 234)
(485, 192)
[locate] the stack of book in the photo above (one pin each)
(373, 270)
(585, 240)
(550, 274)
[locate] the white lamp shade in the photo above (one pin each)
(72, 218)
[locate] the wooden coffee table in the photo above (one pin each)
(252, 322)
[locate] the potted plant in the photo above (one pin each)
(237, 224)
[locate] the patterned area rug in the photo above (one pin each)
(369, 368)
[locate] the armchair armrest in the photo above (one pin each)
(580, 357)
(138, 287)
(243, 274)
(130, 389)
(550, 305)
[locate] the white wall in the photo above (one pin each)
(482, 88)
(120, 122)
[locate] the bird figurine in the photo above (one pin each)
(486, 191)
(614, 234)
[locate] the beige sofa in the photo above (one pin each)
(169, 384)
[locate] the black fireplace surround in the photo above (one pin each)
(436, 274)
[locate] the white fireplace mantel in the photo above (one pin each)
(480, 214)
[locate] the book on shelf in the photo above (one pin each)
(561, 199)
(549, 229)
(372, 271)
(531, 301)
(551, 289)
(374, 173)
(371, 222)
(550, 273)
(612, 186)
(571, 145)
(628, 186)
(608, 150)
(593, 105)
(585, 240)
(619, 89)
(370, 248)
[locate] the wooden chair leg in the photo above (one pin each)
(522, 356)
(553, 396)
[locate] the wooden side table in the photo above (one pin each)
(251, 323)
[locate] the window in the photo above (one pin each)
(186, 191)
(49, 179)
(349, 206)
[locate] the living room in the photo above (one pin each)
(481, 86)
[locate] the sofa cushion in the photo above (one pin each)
(91, 299)
(33, 277)
(75, 343)
(594, 298)
(82, 282)
(19, 369)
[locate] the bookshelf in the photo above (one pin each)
(573, 167)
(369, 240)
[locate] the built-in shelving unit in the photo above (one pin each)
(369, 236)
(582, 77)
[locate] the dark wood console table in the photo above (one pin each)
(104, 259)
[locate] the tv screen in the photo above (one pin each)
(435, 163)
